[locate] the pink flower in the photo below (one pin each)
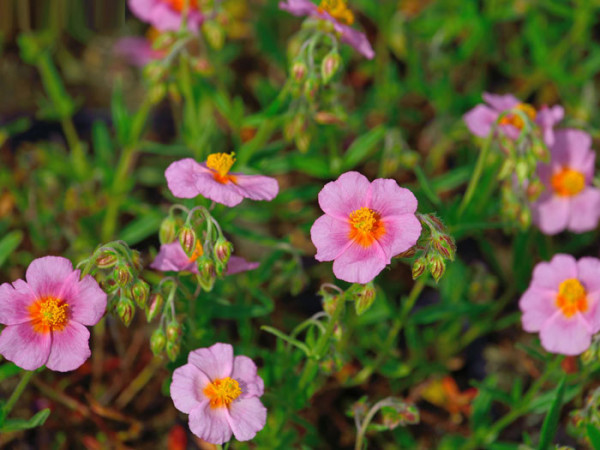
(165, 15)
(171, 257)
(480, 119)
(365, 225)
(569, 202)
(338, 15)
(562, 303)
(220, 393)
(186, 179)
(137, 51)
(45, 316)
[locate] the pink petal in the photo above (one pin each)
(137, 51)
(480, 119)
(23, 346)
(227, 194)
(567, 336)
(70, 348)
(88, 305)
(181, 178)
(401, 233)
(355, 38)
(330, 236)
(47, 275)
(501, 102)
(15, 300)
(211, 425)
(348, 193)
(549, 275)
(238, 264)
(547, 118)
(187, 387)
(215, 361)
(244, 371)
(171, 257)
(298, 7)
(247, 417)
(571, 148)
(588, 270)
(585, 210)
(164, 18)
(538, 305)
(360, 265)
(256, 187)
(142, 8)
(389, 199)
(551, 213)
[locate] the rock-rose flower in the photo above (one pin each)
(166, 15)
(561, 303)
(187, 179)
(364, 226)
(221, 393)
(45, 316)
(570, 202)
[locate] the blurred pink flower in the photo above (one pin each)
(165, 15)
(45, 316)
(569, 202)
(480, 119)
(365, 225)
(137, 51)
(187, 179)
(171, 257)
(337, 13)
(221, 394)
(561, 303)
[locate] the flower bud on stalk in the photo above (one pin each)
(419, 267)
(445, 246)
(140, 292)
(187, 239)
(158, 341)
(109, 285)
(299, 71)
(168, 230)
(122, 275)
(311, 87)
(173, 349)
(436, 266)
(408, 253)
(125, 310)
(106, 259)
(136, 259)
(157, 302)
(173, 331)
(330, 65)
(330, 302)
(207, 273)
(222, 251)
(364, 298)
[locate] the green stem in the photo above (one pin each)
(17, 392)
(476, 174)
(367, 420)
(74, 143)
(397, 326)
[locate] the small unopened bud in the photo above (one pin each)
(156, 304)
(436, 266)
(330, 65)
(299, 71)
(157, 93)
(173, 349)
(122, 275)
(207, 273)
(168, 230)
(364, 298)
(187, 239)
(398, 414)
(125, 310)
(330, 302)
(109, 285)
(140, 292)
(311, 88)
(154, 72)
(408, 253)
(106, 259)
(445, 246)
(419, 267)
(327, 118)
(302, 140)
(338, 332)
(222, 251)
(158, 341)
(214, 34)
(136, 259)
(173, 332)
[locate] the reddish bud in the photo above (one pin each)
(140, 292)
(125, 310)
(106, 259)
(158, 341)
(156, 304)
(187, 239)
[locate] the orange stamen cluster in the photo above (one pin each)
(338, 10)
(365, 226)
(178, 5)
(567, 182)
(516, 120)
(220, 163)
(571, 297)
(49, 314)
(222, 392)
(198, 252)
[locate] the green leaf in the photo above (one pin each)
(9, 244)
(286, 338)
(593, 434)
(21, 424)
(8, 370)
(362, 147)
(551, 421)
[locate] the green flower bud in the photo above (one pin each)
(419, 267)
(330, 65)
(157, 302)
(158, 341)
(207, 273)
(222, 252)
(364, 298)
(125, 310)
(299, 71)
(106, 259)
(187, 239)
(173, 332)
(173, 349)
(122, 275)
(140, 292)
(436, 266)
(311, 88)
(168, 230)
(214, 34)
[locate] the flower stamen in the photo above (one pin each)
(221, 163)
(198, 252)
(365, 226)
(516, 120)
(222, 392)
(571, 297)
(178, 5)
(567, 182)
(338, 10)
(49, 314)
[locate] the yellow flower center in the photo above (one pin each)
(571, 297)
(366, 226)
(516, 120)
(567, 182)
(220, 163)
(178, 5)
(49, 314)
(222, 392)
(338, 10)
(198, 252)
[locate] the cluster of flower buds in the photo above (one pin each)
(363, 296)
(394, 412)
(587, 418)
(167, 336)
(434, 248)
(118, 267)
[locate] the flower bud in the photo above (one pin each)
(419, 267)
(330, 302)
(106, 259)
(222, 251)
(364, 298)
(125, 310)
(399, 413)
(311, 88)
(445, 246)
(157, 302)
(136, 259)
(173, 349)
(158, 341)
(214, 34)
(109, 285)
(436, 266)
(140, 292)
(187, 239)
(207, 273)
(168, 230)
(157, 93)
(408, 253)
(122, 275)
(299, 71)
(173, 331)
(330, 65)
